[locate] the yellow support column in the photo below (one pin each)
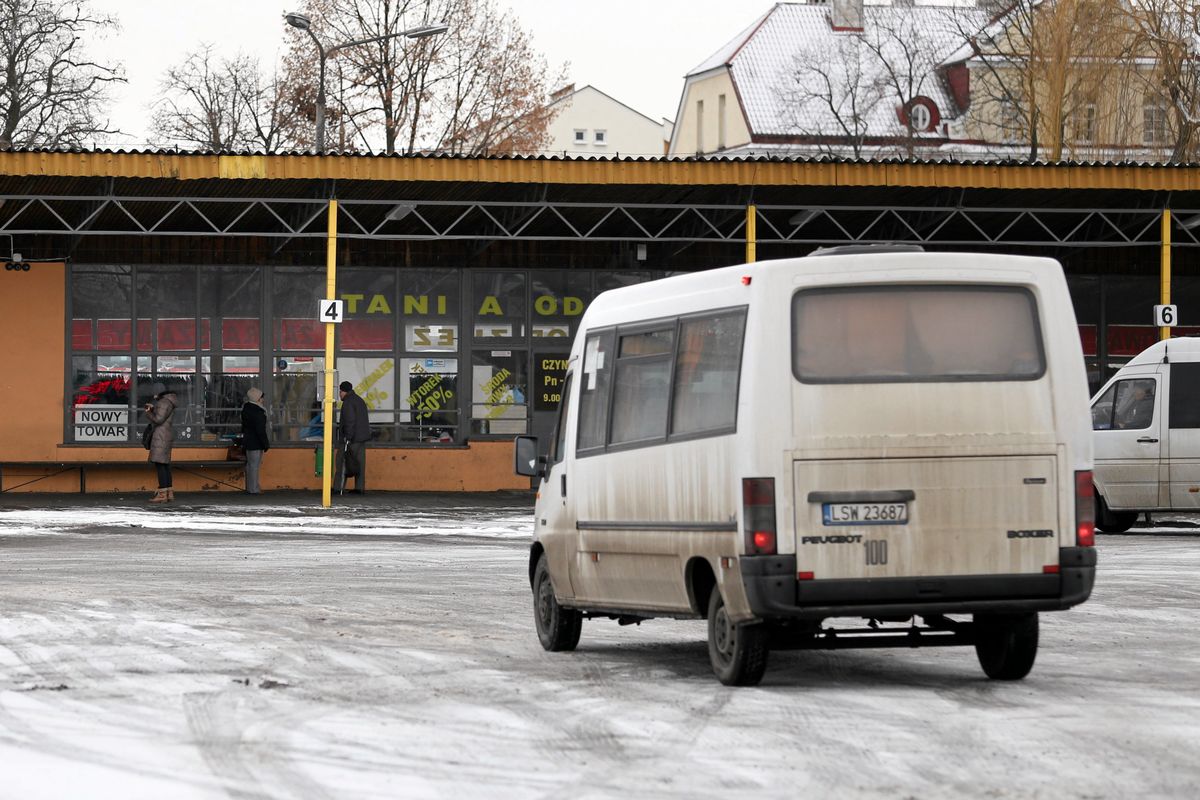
(1165, 269)
(327, 407)
(751, 232)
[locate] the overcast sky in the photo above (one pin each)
(635, 50)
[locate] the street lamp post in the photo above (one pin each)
(302, 22)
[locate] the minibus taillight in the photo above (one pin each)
(1085, 509)
(758, 513)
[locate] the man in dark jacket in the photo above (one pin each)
(354, 431)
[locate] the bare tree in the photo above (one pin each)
(493, 97)
(51, 93)
(216, 103)
(1042, 65)
(479, 87)
(1168, 31)
(908, 46)
(829, 94)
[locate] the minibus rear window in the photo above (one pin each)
(902, 334)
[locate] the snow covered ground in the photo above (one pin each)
(385, 649)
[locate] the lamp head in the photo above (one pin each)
(298, 20)
(428, 30)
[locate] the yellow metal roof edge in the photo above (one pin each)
(190, 166)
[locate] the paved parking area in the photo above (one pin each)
(267, 648)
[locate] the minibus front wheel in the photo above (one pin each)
(558, 628)
(738, 652)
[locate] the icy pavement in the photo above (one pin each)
(232, 648)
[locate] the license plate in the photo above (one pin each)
(865, 513)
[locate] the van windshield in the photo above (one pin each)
(901, 334)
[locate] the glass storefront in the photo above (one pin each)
(439, 355)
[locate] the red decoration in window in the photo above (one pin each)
(366, 334)
(81, 334)
(239, 334)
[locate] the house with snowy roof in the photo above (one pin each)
(837, 77)
(943, 79)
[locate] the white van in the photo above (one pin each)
(886, 435)
(1146, 423)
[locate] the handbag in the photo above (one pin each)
(236, 451)
(147, 435)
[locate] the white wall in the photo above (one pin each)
(625, 131)
(701, 128)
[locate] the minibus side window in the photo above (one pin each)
(642, 386)
(706, 373)
(1133, 408)
(560, 424)
(595, 377)
(1102, 410)
(1185, 395)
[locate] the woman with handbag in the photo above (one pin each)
(159, 412)
(254, 437)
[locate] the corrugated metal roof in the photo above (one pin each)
(173, 173)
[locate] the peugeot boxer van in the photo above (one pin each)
(897, 438)
(1146, 432)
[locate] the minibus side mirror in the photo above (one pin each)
(525, 457)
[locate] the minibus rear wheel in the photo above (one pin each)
(1111, 521)
(1006, 644)
(738, 652)
(558, 628)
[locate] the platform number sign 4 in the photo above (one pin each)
(329, 310)
(1166, 316)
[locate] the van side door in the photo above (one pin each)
(555, 520)
(1126, 424)
(1183, 434)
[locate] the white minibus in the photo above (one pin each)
(874, 433)
(1146, 423)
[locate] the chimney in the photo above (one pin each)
(846, 15)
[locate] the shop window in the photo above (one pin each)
(369, 298)
(498, 300)
(297, 384)
(430, 302)
(294, 306)
(233, 296)
(558, 298)
(178, 374)
(706, 373)
(225, 380)
(166, 304)
(429, 399)
(101, 301)
(498, 391)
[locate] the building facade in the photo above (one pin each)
(588, 122)
(463, 282)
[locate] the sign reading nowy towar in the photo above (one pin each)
(101, 423)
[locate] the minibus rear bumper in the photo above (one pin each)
(773, 590)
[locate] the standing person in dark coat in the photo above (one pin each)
(354, 431)
(254, 437)
(159, 413)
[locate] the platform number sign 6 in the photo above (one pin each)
(329, 310)
(1166, 316)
